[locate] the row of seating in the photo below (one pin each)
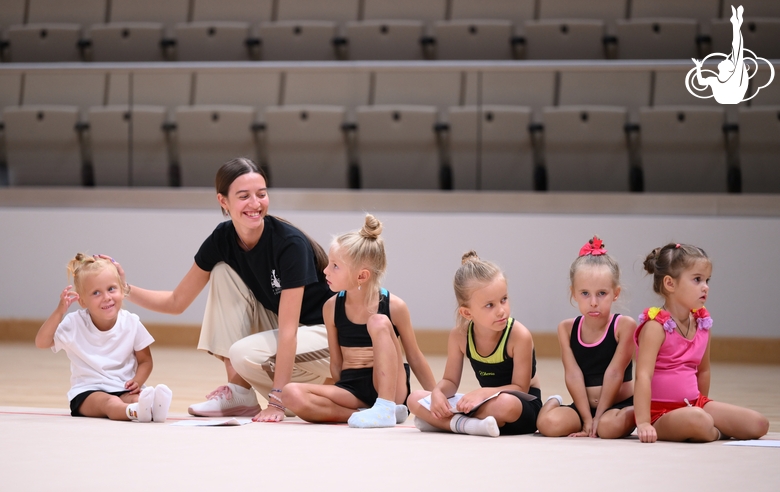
(471, 39)
(492, 147)
(628, 85)
(169, 12)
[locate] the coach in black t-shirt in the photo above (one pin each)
(264, 310)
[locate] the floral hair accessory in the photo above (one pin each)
(677, 246)
(594, 247)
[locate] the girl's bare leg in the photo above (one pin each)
(737, 422)
(320, 403)
(686, 424)
(616, 423)
(557, 421)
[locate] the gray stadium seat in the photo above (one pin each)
(114, 162)
(42, 145)
(683, 149)
(45, 42)
(473, 40)
(127, 42)
(599, 87)
(208, 136)
(759, 148)
(424, 87)
(155, 88)
(306, 147)
(83, 12)
(657, 39)
(332, 87)
(702, 11)
(77, 88)
(606, 10)
(523, 88)
(385, 40)
(332, 10)
(237, 87)
(761, 36)
(11, 12)
(426, 11)
(756, 8)
(298, 40)
(516, 11)
(168, 12)
(564, 39)
(252, 11)
(503, 159)
(398, 147)
(669, 89)
(585, 148)
(769, 95)
(212, 41)
(10, 89)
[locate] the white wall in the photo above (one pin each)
(157, 246)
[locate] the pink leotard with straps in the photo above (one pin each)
(677, 364)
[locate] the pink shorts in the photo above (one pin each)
(659, 408)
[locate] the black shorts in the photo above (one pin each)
(78, 400)
(617, 406)
(526, 424)
(360, 382)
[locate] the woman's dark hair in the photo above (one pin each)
(232, 170)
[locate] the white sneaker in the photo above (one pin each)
(224, 402)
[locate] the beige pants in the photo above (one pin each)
(238, 327)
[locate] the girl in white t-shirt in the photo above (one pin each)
(108, 347)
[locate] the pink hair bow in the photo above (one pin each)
(594, 247)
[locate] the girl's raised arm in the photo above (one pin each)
(45, 336)
(399, 312)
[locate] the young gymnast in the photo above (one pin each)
(364, 324)
(108, 347)
(484, 326)
(673, 361)
(596, 348)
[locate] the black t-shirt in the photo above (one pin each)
(282, 259)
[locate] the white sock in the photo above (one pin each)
(162, 402)
(382, 414)
(424, 426)
(460, 424)
(556, 397)
(132, 411)
(145, 404)
(401, 414)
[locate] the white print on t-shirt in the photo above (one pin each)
(275, 282)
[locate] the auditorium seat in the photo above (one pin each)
(534, 89)
(605, 10)
(761, 36)
(603, 87)
(490, 148)
(10, 90)
(332, 10)
(167, 12)
(398, 147)
(756, 8)
(306, 147)
(759, 148)
(428, 11)
(669, 89)
(82, 12)
(769, 95)
(473, 40)
(657, 39)
(169, 88)
(42, 145)
(424, 87)
(333, 87)
(208, 136)
(43, 42)
(298, 40)
(385, 39)
(252, 11)
(585, 148)
(69, 88)
(702, 11)
(564, 39)
(236, 87)
(515, 11)
(683, 149)
(127, 42)
(129, 147)
(213, 41)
